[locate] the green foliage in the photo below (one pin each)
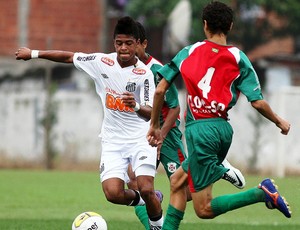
(289, 10)
(248, 33)
(155, 12)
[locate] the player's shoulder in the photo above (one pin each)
(154, 61)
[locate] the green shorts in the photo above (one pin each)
(208, 142)
(172, 152)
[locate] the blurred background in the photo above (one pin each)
(50, 115)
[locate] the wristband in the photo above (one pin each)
(34, 54)
(137, 107)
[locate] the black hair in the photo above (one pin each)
(219, 17)
(126, 25)
(142, 32)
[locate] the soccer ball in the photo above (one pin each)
(89, 221)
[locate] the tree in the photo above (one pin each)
(256, 21)
(155, 12)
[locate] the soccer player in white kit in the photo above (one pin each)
(126, 87)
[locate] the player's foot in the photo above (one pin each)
(233, 175)
(159, 195)
(155, 227)
(273, 198)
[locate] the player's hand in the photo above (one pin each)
(284, 126)
(23, 53)
(154, 137)
(128, 99)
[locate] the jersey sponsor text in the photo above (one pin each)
(86, 58)
(116, 103)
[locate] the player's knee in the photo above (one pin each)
(111, 196)
(176, 184)
(146, 193)
(203, 214)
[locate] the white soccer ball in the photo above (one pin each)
(89, 221)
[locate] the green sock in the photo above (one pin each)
(230, 202)
(141, 213)
(173, 218)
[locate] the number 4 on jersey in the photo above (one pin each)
(204, 83)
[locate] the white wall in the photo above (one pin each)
(75, 136)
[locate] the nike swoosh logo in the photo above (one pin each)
(240, 182)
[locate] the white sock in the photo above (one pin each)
(141, 202)
(158, 223)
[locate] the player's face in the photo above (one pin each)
(125, 46)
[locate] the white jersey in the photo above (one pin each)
(121, 124)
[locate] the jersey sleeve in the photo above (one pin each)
(248, 82)
(86, 62)
(171, 70)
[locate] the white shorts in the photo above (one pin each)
(115, 159)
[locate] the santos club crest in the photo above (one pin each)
(131, 86)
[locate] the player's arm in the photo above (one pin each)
(172, 102)
(25, 54)
(154, 135)
(143, 111)
(264, 109)
(169, 121)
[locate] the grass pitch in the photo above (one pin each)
(50, 200)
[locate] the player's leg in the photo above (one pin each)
(145, 171)
(140, 211)
(178, 199)
(152, 201)
(172, 154)
(265, 192)
(207, 207)
(114, 191)
(113, 168)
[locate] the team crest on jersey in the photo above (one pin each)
(107, 61)
(215, 50)
(131, 86)
(139, 71)
(171, 167)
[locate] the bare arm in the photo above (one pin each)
(264, 109)
(170, 120)
(24, 53)
(154, 135)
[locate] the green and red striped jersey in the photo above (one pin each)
(214, 76)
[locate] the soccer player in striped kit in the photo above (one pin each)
(171, 151)
(214, 74)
